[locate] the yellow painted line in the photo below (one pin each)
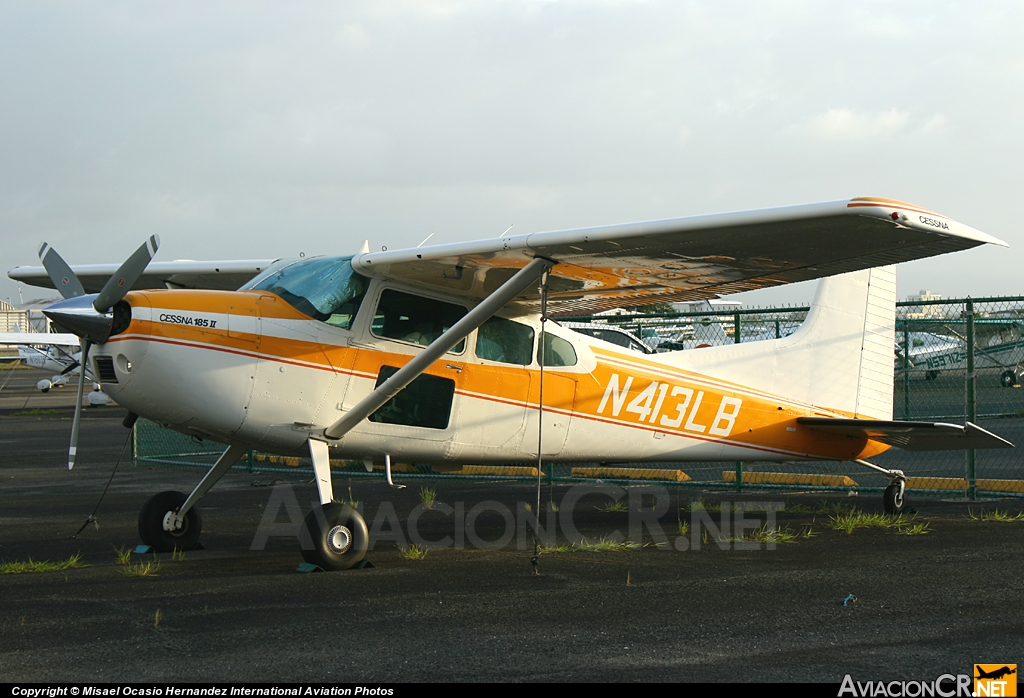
(379, 467)
(1000, 485)
(937, 483)
(507, 470)
(632, 473)
(790, 479)
(281, 460)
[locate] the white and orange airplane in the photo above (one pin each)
(442, 354)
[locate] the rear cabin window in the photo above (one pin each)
(415, 319)
(426, 402)
(557, 351)
(506, 341)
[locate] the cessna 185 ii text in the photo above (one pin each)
(441, 354)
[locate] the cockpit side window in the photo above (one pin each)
(557, 351)
(325, 288)
(415, 319)
(506, 341)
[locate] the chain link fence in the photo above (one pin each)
(953, 361)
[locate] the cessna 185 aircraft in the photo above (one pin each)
(445, 354)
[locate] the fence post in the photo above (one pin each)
(736, 340)
(906, 368)
(972, 486)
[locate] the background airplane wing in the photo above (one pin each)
(226, 275)
(910, 436)
(683, 259)
(39, 338)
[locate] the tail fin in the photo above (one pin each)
(841, 358)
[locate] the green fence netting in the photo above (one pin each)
(953, 361)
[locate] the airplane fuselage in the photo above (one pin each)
(248, 368)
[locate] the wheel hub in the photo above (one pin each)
(339, 539)
(172, 526)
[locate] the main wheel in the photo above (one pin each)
(1008, 379)
(893, 501)
(334, 536)
(155, 517)
(931, 375)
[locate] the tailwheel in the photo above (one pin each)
(334, 536)
(157, 521)
(894, 499)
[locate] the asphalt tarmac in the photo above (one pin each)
(925, 604)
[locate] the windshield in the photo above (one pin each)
(325, 288)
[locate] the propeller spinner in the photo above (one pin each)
(88, 315)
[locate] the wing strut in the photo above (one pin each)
(422, 361)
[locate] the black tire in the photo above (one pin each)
(334, 536)
(892, 502)
(151, 523)
(931, 375)
(1008, 379)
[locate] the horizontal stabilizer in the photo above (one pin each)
(910, 436)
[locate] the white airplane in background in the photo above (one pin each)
(440, 354)
(58, 353)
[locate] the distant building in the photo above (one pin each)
(923, 311)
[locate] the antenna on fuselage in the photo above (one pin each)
(425, 239)
(364, 248)
(506, 230)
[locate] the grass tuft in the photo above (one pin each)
(772, 535)
(428, 495)
(834, 508)
(684, 528)
(177, 555)
(606, 545)
(612, 506)
(156, 618)
(414, 552)
(141, 569)
(797, 509)
(602, 545)
(698, 504)
(918, 529)
(72, 562)
(547, 550)
(124, 555)
(995, 515)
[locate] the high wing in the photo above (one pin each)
(683, 259)
(910, 436)
(226, 275)
(39, 338)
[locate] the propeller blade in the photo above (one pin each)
(64, 280)
(73, 451)
(126, 275)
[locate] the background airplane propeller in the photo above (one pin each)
(88, 316)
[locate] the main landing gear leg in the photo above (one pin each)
(334, 536)
(170, 520)
(894, 499)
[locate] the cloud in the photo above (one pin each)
(851, 125)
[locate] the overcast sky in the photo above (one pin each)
(240, 130)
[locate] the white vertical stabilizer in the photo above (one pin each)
(841, 358)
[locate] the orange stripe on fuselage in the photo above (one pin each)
(762, 421)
